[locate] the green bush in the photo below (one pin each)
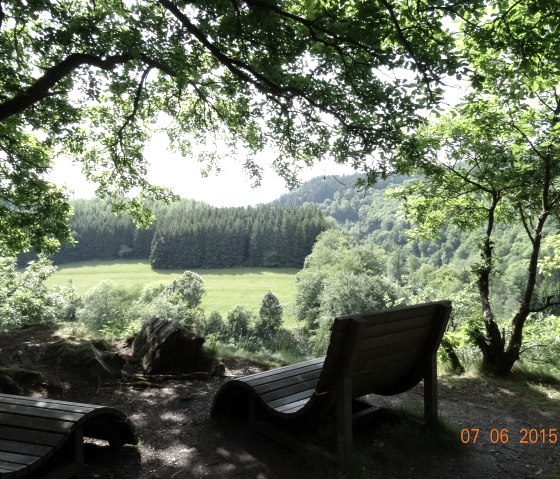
(214, 324)
(104, 303)
(177, 302)
(335, 254)
(25, 298)
(152, 291)
(189, 288)
(239, 322)
(270, 317)
(542, 340)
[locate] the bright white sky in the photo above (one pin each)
(231, 187)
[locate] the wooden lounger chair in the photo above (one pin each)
(43, 438)
(384, 352)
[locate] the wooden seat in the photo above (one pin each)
(44, 437)
(383, 352)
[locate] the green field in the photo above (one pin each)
(225, 288)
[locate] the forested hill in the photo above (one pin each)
(190, 234)
(371, 217)
(338, 196)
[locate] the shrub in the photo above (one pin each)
(163, 307)
(25, 298)
(270, 317)
(542, 340)
(307, 305)
(104, 303)
(152, 291)
(189, 288)
(215, 324)
(239, 322)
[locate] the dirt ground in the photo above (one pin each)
(178, 440)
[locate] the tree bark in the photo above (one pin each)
(491, 344)
(451, 353)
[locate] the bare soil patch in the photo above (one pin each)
(178, 440)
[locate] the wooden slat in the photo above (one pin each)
(18, 458)
(289, 381)
(10, 466)
(371, 330)
(381, 351)
(418, 334)
(286, 375)
(35, 423)
(406, 364)
(288, 391)
(51, 401)
(31, 430)
(399, 314)
(30, 402)
(39, 437)
(254, 378)
(34, 411)
(23, 448)
(292, 407)
(6, 473)
(292, 398)
(367, 360)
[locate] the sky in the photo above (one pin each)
(230, 187)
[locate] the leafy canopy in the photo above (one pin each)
(93, 80)
(495, 157)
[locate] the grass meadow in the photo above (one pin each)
(225, 288)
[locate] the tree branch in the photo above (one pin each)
(408, 46)
(547, 304)
(527, 139)
(135, 106)
(240, 69)
(40, 89)
(311, 25)
(525, 225)
(246, 73)
(468, 180)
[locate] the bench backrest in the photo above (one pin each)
(384, 352)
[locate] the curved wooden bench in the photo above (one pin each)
(44, 437)
(383, 352)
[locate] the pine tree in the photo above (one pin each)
(270, 317)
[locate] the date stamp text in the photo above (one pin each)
(524, 435)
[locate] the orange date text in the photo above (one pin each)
(525, 435)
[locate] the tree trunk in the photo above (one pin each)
(496, 358)
(451, 353)
(492, 343)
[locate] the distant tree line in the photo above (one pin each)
(196, 235)
(190, 234)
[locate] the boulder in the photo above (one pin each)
(166, 347)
